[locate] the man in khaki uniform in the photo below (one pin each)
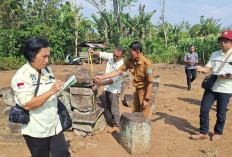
(141, 69)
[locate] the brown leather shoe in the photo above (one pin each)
(114, 129)
(199, 137)
(216, 137)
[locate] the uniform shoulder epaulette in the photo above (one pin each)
(23, 69)
(146, 61)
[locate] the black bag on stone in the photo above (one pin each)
(65, 119)
(209, 81)
(18, 114)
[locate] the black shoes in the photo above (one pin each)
(189, 88)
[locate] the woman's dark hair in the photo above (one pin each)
(136, 46)
(32, 47)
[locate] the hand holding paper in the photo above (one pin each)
(67, 84)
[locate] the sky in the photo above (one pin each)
(176, 10)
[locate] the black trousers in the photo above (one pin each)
(191, 76)
(40, 147)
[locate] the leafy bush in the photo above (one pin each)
(12, 62)
(204, 47)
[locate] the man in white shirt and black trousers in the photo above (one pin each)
(112, 87)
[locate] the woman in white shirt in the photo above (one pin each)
(43, 133)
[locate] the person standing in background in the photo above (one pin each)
(190, 58)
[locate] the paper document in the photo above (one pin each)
(67, 84)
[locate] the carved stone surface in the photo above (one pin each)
(125, 83)
(100, 72)
(155, 87)
(7, 112)
(125, 74)
(79, 133)
(135, 133)
(82, 103)
(8, 96)
(82, 99)
(11, 137)
(156, 78)
(82, 127)
(89, 117)
(81, 91)
(13, 127)
(128, 100)
(100, 124)
(152, 104)
(83, 76)
(65, 99)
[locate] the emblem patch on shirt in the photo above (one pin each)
(20, 85)
(149, 71)
(33, 78)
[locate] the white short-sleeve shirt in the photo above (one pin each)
(110, 67)
(44, 120)
(222, 85)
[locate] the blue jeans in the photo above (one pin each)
(207, 101)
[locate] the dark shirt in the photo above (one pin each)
(192, 57)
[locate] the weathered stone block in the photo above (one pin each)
(156, 78)
(8, 96)
(82, 127)
(7, 112)
(152, 104)
(13, 127)
(128, 100)
(135, 133)
(100, 124)
(100, 72)
(82, 99)
(65, 99)
(11, 137)
(155, 87)
(79, 133)
(125, 83)
(83, 80)
(87, 117)
(125, 74)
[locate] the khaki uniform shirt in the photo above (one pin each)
(141, 70)
(44, 120)
(222, 85)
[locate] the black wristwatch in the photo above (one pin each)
(146, 99)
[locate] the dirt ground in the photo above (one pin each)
(175, 119)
